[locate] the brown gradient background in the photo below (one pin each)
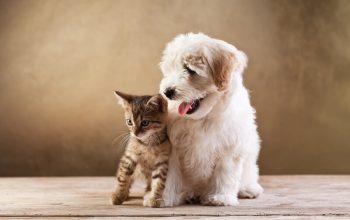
(60, 62)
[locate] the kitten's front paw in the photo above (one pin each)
(250, 191)
(153, 202)
(118, 198)
(219, 200)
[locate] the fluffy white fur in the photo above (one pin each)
(215, 149)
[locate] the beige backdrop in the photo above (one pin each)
(60, 62)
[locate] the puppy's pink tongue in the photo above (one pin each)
(183, 108)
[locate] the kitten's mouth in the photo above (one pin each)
(187, 108)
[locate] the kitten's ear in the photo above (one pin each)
(159, 102)
(123, 99)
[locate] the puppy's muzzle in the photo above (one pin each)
(170, 93)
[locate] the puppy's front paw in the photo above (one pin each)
(118, 198)
(250, 191)
(219, 200)
(153, 202)
(171, 200)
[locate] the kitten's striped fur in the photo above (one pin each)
(148, 149)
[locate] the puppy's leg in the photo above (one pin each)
(172, 195)
(225, 183)
(250, 188)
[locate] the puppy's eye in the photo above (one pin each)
(144, 123)
(128, 122)
(190, 71)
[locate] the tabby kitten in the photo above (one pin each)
(148, 149)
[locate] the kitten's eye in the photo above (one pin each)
(129, 122)
(190, 71)
(144, 123)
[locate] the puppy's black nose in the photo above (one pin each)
(170, 93)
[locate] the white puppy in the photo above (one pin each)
(212, 124)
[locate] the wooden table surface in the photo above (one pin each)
(285, 197)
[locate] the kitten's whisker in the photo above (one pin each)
(158, 139)
(123, 133)
(120, 142)
(125, 140)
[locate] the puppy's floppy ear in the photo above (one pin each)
(123, 99)
(192, 62)
(158, 102)
(222, 61)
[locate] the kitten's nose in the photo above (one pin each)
(169, 93)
